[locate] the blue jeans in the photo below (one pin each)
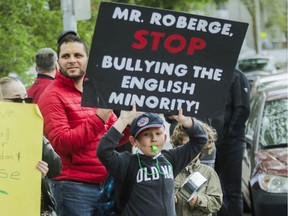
(229, 169)
(75, 198)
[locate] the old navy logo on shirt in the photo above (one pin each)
(153, 174)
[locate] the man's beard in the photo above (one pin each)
(73, 77)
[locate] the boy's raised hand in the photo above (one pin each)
(125, 118)
(128, 116)
(186, 121)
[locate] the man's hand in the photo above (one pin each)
(103, 114)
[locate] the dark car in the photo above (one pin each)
(265, 171)
(256, 66)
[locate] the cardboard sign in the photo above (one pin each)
(21, 133)
(161, 60)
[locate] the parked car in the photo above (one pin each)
(256, 66)
(269, 81)
(265, 161)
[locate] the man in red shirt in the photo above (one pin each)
(74, 132)
(46, 67)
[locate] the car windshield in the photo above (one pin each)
(274, 126)
(254, 64)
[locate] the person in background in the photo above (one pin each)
(50, 166)
(208, 199)
(153, 184)
(74, 132)
(230, 127)
(46, 68)
(208, 159)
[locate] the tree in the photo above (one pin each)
(178, 5)
(25, 27)
(276, 12)
(253, 8)
(275, 17)
(28, 25)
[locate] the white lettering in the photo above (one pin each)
(153, 102)
(191, 23)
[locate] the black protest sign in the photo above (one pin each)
(161, 60)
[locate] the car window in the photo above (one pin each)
(248, 65)
(274, 125)
(252, 122)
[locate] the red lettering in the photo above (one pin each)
(195, 44)
(157, 36)
(175, 37)
(139, 35)
(174, 43)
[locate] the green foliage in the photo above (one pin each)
(26, 26)
(178, 5)
(277, 14)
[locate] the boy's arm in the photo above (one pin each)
(115, 162)
(125, 119)
(197, 140)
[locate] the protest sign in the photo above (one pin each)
(161, 60)
(21, 132)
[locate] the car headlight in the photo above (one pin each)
(273, 183)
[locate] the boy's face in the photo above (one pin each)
(148, 138)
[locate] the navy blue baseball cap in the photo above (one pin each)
(64, 34)
(145, 121)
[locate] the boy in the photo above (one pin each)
(153, 183)
(208, 199)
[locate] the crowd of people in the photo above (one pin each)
(80, 146)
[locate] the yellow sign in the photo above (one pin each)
(21, 132)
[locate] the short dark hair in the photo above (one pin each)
(72, 38)
(45, 60)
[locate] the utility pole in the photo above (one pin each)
(74, 10)
(69, 20)
(258, 27)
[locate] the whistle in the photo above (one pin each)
(154, 148)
